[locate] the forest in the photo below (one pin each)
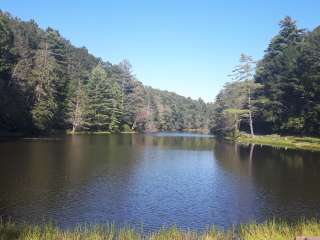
(279, 94)
(47, 85)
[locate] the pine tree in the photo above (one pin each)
(133, 93)
(58, 50)
(117, 108)
(308, 71)
(244, 72)
(276, 73)
(99, 100)
(6, 47)
(45, 105)
(77, 100)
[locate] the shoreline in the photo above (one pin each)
(291, 142)
(69, 133)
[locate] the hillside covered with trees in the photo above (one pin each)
(278, 94)
(48, 84)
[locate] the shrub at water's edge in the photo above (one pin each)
(268, 230)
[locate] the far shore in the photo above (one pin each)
(69, 132)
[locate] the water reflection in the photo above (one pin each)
(156, 180)
(286, 180)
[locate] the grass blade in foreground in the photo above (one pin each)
(276, 230)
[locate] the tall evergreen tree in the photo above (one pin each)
(117, 107)
(99, 96)
(308, 71)
(276, 73)
(44, 75)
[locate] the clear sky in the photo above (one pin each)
(188, 47)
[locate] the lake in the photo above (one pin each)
(155, 180)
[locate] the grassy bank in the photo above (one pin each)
(307, 143)
(269, 230)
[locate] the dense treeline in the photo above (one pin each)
(48, 84)
(278, 94)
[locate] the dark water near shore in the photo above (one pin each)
(155, 180)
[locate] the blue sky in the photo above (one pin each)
(184, 46)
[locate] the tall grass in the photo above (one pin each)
(273, 230)
(279, 230)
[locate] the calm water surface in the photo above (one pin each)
(155, 180)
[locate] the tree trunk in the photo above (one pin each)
(251, 125)
(250, 113)
(134, 125)
(73, 129)
(236, 125)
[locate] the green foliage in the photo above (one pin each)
(99, 104)
(116, 108)
(168, 111)
(126, 128)
(233, 106)
(43, 113)
(230, 106)
(77, 106)
(6, 46)
(46, 83)
(281, 96)
(284, 88)
(294, 125)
